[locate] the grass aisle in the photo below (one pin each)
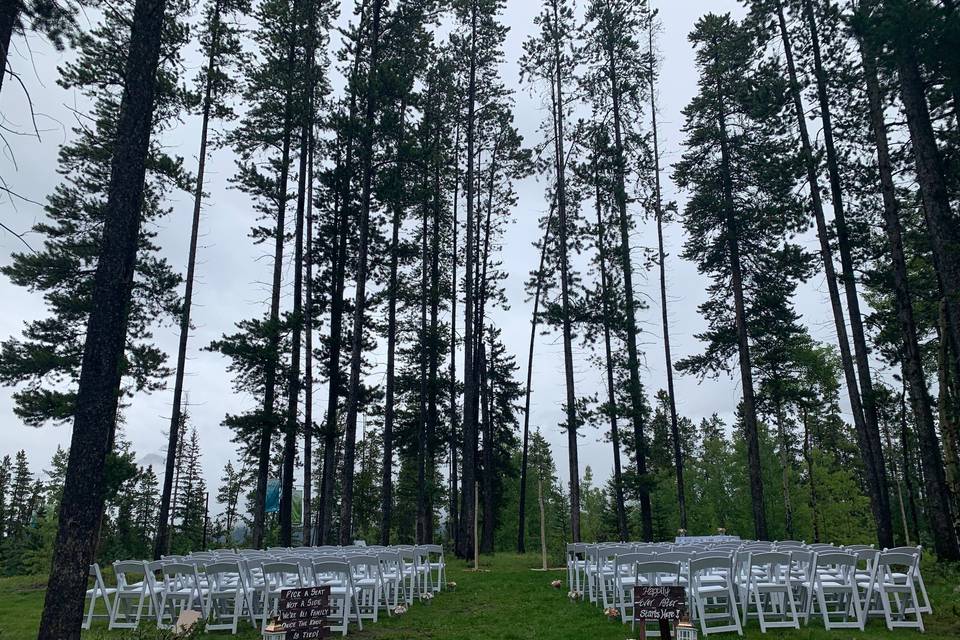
(506, 601)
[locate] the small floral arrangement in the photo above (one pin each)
(399, 610)
(556, 584)
(452, 586)
(427, 597)
(681, 532)
(575, 595)
(721, 531)
(612, 612)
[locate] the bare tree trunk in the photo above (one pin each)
(867, 438)
(296, 320)
(331, 429)
(941, 220)
(896, 477)
(808, 457)
(562, 224)
(162, 543)
(434, 334)
(941, 521)
(486, 392)
(750, 429)
(949, 415)
(665, 322)
(633, 360)
(422, 520)
(861, 352)
(543, 524)
(269, 416)
(356, 353)
(84, 490)
(9, 12)
(452, 444)
(534, 321)
(785, 466)
(466, 541)
(308, 362)
(620, 506)
(386, 505)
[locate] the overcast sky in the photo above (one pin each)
(232, 271)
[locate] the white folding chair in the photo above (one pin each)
(181, 591)
(925, 606)
(833, 589)
(226, 597)
(435, 563)
(368, 583)
(895, 576)
(711, 589)
(276, 577)
(655, 573)
(131, 588)
(391, 571)
(339, 577)
(99, 591)
(768, 585)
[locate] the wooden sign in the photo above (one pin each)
(303, 613)
(665, 605)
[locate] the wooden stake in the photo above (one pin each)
(543, 530)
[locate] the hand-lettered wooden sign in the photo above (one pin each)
(303, 613)
(665, 605)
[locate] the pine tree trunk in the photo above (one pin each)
(9, 12)
(620, 506)
(84, 491)
(861, 352)
(296, 320)
(162, 544)
(896, 477)
(907, 466)
(466, 541)
(876, 481)
(750, 430)
(561, 187)
(785, 466)
(489, 506)
(269, 416)
(308, 360)
(422, 519)
(808, 457)
(386, 505)
(940, 520)
(664, 317)
(949, 414)
(633, 360)
(452, 444)
(356, 352)
(524, 455)
(434, 334)
(941, 220)
(331, 426)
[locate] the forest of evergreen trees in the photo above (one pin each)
(380, 151)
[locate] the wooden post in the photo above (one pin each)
(476, 523)
(543, 529)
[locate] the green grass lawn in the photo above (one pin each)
(506, 601)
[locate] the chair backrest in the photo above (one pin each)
(897, 559)
(129, 572)
(331, 571)
(675, 556)
(219, 573)
(700, 564)
(279, 572)
(180, 575)
(655, 569)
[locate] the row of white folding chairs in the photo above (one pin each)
(728, 580)
(225, 586)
